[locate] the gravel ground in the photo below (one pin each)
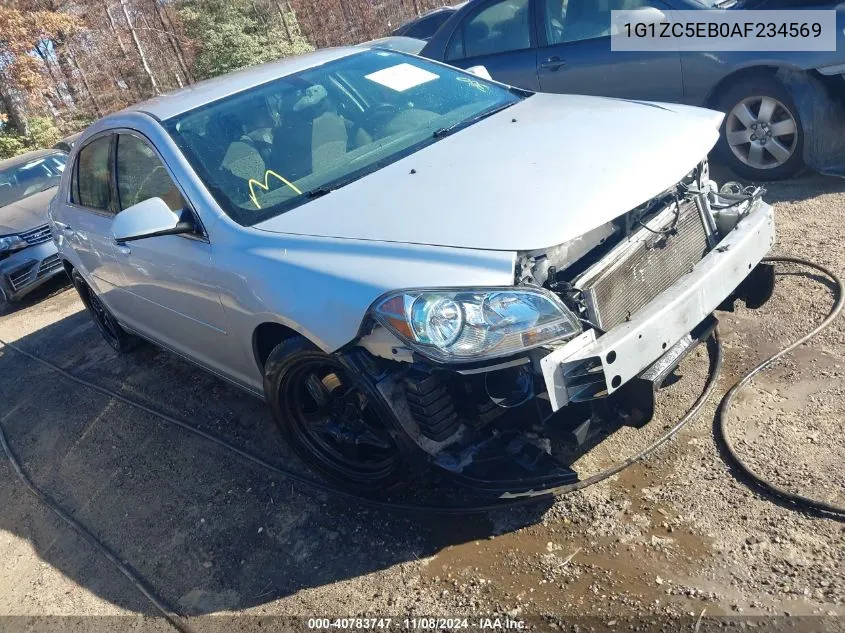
(677, 535)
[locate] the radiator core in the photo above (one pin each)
(644, 265)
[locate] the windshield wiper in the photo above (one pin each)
(446, 131)
(322, 190)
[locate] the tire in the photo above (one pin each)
(119, 339)
(319, 407)
(761, 107)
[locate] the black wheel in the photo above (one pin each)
(116, 336)
(762, 136)
(329, 420)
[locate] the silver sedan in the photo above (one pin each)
(417, 268)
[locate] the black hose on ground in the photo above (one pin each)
(172, 617)
(722, 414)
(715, 356)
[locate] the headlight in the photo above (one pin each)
(475, 324)
(11, 243)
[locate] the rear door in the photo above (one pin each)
(575, 55)
(499, 35)
(171, 277)
(85, 222)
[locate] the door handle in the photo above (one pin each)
(124, 250)
(553, 63)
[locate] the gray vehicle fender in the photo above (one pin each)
(323, 287)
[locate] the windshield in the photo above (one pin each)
(30, 177)
(271, 148)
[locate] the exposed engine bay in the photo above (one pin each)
(518, 423)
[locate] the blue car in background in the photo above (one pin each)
(783, 110)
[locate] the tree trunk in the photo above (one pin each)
(116, 33)
(14, 105)
(174, 41)
(85, 83)
(284, 22)
(66, 67)
(295, 19)
(138, 48)
(44, 54)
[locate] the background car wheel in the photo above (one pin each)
(114, 335)
(762, 137)
(326, 415)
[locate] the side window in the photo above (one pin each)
(579, 20)
(497, 28)
(91, 186)
(141, 175)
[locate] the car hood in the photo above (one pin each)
(539, 173)
(27, 213)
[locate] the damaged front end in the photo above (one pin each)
(575, 350)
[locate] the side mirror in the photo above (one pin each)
(150, 218)
(480, 71)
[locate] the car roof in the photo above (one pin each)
(70, 139)
(179, 101)
(401, 43)
(20, 159)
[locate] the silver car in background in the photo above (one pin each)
(418, 269)
(28, 256)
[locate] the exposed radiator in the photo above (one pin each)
(644, 265)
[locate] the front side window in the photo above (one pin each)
(141, 175)
(29, 177)
(91, 175)
(276, 146)
(500, 27)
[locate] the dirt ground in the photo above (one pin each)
(678, 535)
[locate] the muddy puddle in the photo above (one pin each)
(559, 566)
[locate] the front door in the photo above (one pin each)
(498, 35)
(575, 55)
(84, 223)
(170, 276)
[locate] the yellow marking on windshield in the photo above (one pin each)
(253, 183)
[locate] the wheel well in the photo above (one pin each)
(266, 337)
(736, 77)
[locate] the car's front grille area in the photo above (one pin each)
(38, 235)
(21, 277)
(644, 265)
(30, 273)
(49, 264)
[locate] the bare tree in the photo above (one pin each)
(144, 63)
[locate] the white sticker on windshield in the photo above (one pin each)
(402, 77)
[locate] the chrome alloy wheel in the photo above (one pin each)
(762, 132)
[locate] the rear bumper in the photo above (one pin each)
(625, 351)
(27, 269)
